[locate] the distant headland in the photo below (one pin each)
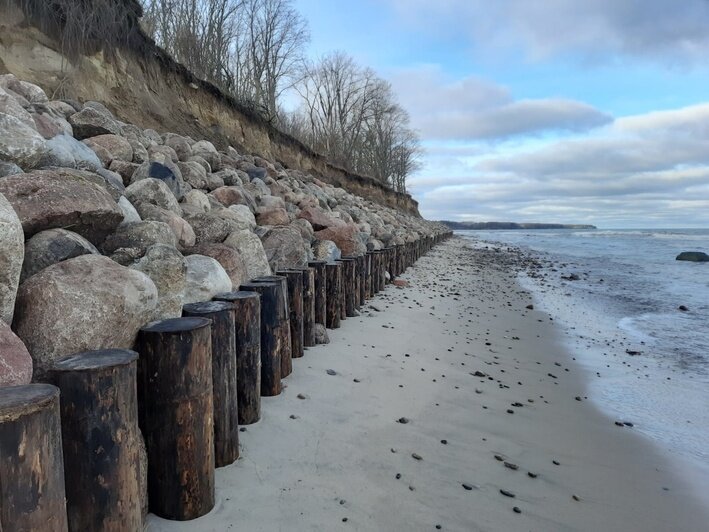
(512, 225)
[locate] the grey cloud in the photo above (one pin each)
(648, 28)
(476, 109)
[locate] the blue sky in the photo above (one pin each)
(579, 111)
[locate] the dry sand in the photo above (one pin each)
(338, 459)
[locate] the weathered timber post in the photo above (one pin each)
(320, 291)
(100, 439)
(270, 337)
(400, 259)
(224, 377)
(368, 292)
(32, 493)
(176, 415)
(308, 306)
(334, 281)
(283, 321)
(361, 280)
(349, 284)
(378, 271)
(247, 318)
(295, 309)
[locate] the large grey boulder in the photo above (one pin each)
(326, 250)
(140, 236)
(167, 268)
(12, 252)
(211, 227)
(251, 249)
(117, 146)
(64, 150)
(53, 246)
(285, 248)
(62, 198)
(20, 143)
(15, 360)
(183, 231)
(243, 215)
(154, 192)
(82, 304)
(164, 170)
(130, 214)
(90, 122)
(205, 279)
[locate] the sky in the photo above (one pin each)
(568, 111)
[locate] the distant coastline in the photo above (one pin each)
(512, 225)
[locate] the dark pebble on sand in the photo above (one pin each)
(331, 372)
(398, 476)
(444, 442)
(416, 456)
(516, 510)
(510, 465)
(510, 411)
(508, 493)
(402, 420)
(468, 487)
(555, 462)
(531, 475)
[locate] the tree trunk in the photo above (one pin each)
(247, 310)
(31, 463)
(175, 407)
(101, 440)
(224, 377)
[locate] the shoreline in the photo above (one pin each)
(311, 463)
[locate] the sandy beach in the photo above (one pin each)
(452, 406)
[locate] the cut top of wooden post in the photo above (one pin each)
(176, 325)
(26, 399)
(236, 295)
(92, 360)
(207, 307)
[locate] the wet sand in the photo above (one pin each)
(452, 405)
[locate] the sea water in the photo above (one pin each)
(627, 298)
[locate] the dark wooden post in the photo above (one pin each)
(270, 337)
(283, 318)
(334, 276)
(101, 440)
(349, 284)
(175, 411)
(247, 318)
(224, 377)
(320, 291)
(295, 307)
(361, 280)
(368, 275)
(376, 271)
(308, 306)
(32, 493)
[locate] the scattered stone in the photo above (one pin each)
(331, 372)
(507, 493)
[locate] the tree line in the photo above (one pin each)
(255, 51)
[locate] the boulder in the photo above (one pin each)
(130, 214)
(82, 304)
(183, 231)
(12, 252)
(154, 192)
(209, 153)
(346, 237)
(319, 219)
(306, 230)
(116, 146)
(272, 216)
(61, 198)
(65, 151)
(20, 143)
(205, 279)
(693, 256)
(243, 215)
(7, 169)
(15, 360)
(193, 174)
(124, 168)
(167, 268)
(321, 336)
(210, 227)
(251, 250)
(197, 201)
(180, 145)
(53, 246)
(10, 105)
(48, 126)
(284, 248)
(29, 91)
(90, 122)
(140, 236)
(326, 250)
(166, 171)
(228, 257)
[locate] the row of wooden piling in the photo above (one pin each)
(74, 452)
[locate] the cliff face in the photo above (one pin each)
(140, 84)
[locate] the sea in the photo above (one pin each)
(647, 360)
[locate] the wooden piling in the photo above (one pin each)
(368, 292)
(283, 321)
(320, 291)
(334, 281)
(247, 318)
(100, 440)
(308, 306)
(295, 309)
(32, 495)
(349, 284)
(224, 377)
(176, 416)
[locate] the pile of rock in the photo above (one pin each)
(105, 226)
